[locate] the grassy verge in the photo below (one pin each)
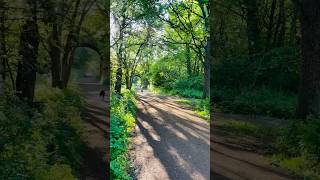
(192, 99)
(122, 121)
(43, 140)
(200, 106)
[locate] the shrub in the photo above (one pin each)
(262, 101)
(298, 148)
(122, 123)
(41, 141)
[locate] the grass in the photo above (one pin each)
(200, 106)
(263, 133)
(300, 166)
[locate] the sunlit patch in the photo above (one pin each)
(151, 131)
(180, 160)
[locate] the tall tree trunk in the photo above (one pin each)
(55, 55)
(128, 82)
(3, 50)
(309, 95)
(293, 26)
(29, 43)
(188, 60)
(279, 32)
(206, 89)
(69, 47)
(253, 30)
(118, 82)
(207, 73)
(282, 21)
(271, 23)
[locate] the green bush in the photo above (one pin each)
(278, 68)
(300, 142)
(36, 141)
(189, 87)
(122, 121)
(262, 101)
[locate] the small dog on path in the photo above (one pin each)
(102, 94)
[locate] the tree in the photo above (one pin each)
(29, 44)
(309, 94)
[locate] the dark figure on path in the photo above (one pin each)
(102, 94)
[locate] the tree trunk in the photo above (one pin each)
(188, 60)
(253, 30)
(55, 55)
(271, 23)
(206, 92)
(118, 80)
(206, 89)
(282, 21)
(26, 74)
(293, 28)
(309, 95)
(3, 51)
(128, 82)
(69, 48)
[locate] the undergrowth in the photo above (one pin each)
(41, 141)
(122, 121)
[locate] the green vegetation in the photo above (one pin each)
(294, 147)
(298, 148)
(265, 62)
(201, 106)
(267, 86)
(43, 140)
(153, 48)
(42, 45)
(122, 123)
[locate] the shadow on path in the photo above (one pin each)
(178, 142)
(96, 122)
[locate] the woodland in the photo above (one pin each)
(45, 47)
(159, 47)
(265, 62)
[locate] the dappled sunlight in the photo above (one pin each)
(151, 131)
(181, 147)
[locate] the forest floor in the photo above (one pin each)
(95, 116)
(171, 141)
(241, 157)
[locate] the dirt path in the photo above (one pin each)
(170, 142)
(96, 124)
(234, 158)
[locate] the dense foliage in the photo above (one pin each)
(122, 122)
(265, 62)
(41, 141)
(267, 86)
